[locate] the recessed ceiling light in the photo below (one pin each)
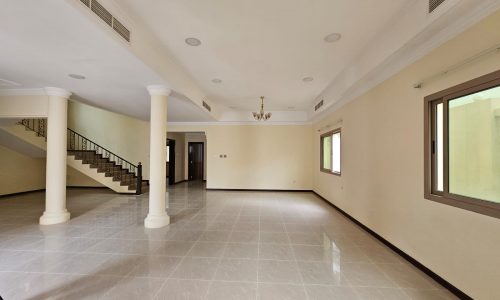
(332, 37)
(193, 41)
(76, 76)
(307, 79)
(216, 80)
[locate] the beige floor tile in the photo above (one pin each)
(300, 238)
(278, 271)
(271, 291)
(232, 290)
(207, 249)
(237, 270)
(155, 266)
(325, 292)
(418, 294)
(244, 237)
(135, 288)
(254, 245)
(196, 268)
(274, 238)
(275, 251)
(241, 250)
(173, 248)
(215, 236)
(366, 275)
(321, 273)
(182, 289)
(370, 293)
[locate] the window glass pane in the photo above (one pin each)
(336, 152)
(439, 148)
(168, 153)
(474, 145)
(327, 152)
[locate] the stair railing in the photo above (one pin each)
(39, 126)
(88, 149)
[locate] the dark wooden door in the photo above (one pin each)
(195, 160)
(171, 161)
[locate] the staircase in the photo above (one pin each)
(90, 159)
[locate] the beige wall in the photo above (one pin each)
(179, 154)
(23, 106)
(382, 169)
(258, 157)
(20, 173)
(125, 136)
(77, 179)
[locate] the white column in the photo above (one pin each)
(157, 216)
(55, 182)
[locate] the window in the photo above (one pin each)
(462, 145)
(330, 152)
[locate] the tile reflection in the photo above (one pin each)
(332, 255)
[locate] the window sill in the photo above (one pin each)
(487, 208)
(330, 172)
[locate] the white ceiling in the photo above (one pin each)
(257, 48)
(44, 41)
(264, 47)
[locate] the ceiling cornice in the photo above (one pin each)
(410, 52)
(57, 92)
(23, 92)
(158, 90)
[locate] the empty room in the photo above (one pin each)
(265, 149)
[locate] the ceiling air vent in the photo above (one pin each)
(101, 12)
(121, 30)
(205, 105)
(433, 4)
(86, 2)
(317, 106)
(108, 18)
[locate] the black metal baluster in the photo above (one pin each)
(92, 153)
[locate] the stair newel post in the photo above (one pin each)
(138, 189)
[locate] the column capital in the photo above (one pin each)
(58, 92)
(158, 90)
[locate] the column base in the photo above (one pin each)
(50, 218)
(156, 221)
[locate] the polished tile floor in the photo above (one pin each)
(220, 245)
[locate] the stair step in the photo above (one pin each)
(145, 186)
(94, 165)
(90, 158)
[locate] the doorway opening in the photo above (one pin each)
(171, 161)
(196, 160)
(179, 157)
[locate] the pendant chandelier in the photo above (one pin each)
(262, 116)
